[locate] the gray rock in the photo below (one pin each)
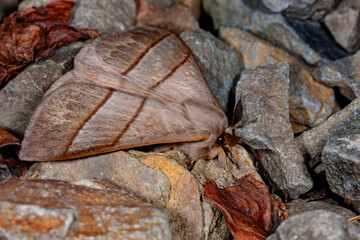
(312, 142)
(91, 209)
(216, 60)
(299, 206)
(316, 225)
(307, 106)
(105, 16)
(20, 96)
(264, 92)
(341, 156)
(275, 29)
(344, 73)
(4, 172)
(343, 24)
(231, 13)
(300, 8)
(153, 177)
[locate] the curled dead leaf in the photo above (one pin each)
(247, 207)
(31, 33)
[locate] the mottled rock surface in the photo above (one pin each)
(105, 16)
(264, 95)
(4, 172)
(299, 206)
(341, 156)
(313, 141)
(343, 24)
(344, 73)
(317, 224)
(216, 60)
(310, 102)
(48, 209)
(154, 177)
(20, 96)
(300, 8)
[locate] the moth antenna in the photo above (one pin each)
(244, 124)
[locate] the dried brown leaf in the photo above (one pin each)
(31, 33)
(247, 207)
(7, 139)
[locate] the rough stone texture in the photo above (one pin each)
(154, 177)
(231, 13)
(193, 5)
(341, 156)
(310, 102)
(106, 16)
(20, 96)
(264, 95)
(92, 209)
(217, 61)
(4, 172)
(313, 141)
(343, 24)
(299, 206)
(300, 8)
(343, 73)
(275, 29)
(211, 169)
(317, 224)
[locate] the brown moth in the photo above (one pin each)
(135, 88)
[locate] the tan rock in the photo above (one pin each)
(310, 102)
(96, 209)
(193, 6)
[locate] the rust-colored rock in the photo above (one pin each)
(96, 209)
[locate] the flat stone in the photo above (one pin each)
(216, 60)
(317, 224)
(343, 24)
(341, 157)
(231, 13)
(20, 96)
(310, 102)
(312, 142)
(299, 206)
(344, 73)
(49, 209)
(105, 16)
(299, 8)
(264, 92)
(153, 177)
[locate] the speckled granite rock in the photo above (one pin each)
(154, 177)
(317, 224)
(310, 102)
(299, 206)
(313, 141)
(20, 96)
(105, 16)
(217, 61)
(344, 73)
(341, 157)
(343, 24)
(92, 209)
(264, 95)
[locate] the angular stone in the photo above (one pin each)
(264, 95)
(343, 24)
(299, 206)
(275, 29)
(211, 169)
(299, 8)
(310, 102)
(344, 73)
(105, 16)
(20, 96)
(312, 142)
(341, 157)
(154, 177)
(231, 13)
(317, 224)
(49, 209)
(216, 60)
